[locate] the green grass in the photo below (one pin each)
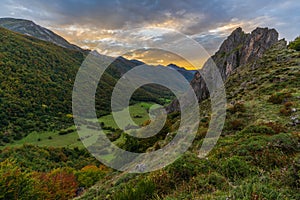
(71, 140)
(136, 109)
(42, 139)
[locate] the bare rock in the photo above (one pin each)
(238, 49)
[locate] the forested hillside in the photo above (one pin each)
(37, 80)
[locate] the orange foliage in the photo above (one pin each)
(57, 184)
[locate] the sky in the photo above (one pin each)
(104, 24)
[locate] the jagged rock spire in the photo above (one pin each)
(238, 49)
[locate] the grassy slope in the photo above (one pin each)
(71, 139)
(258, 155)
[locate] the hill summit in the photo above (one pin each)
(28, 27)
(238, 49)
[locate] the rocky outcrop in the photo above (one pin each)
(238, 49)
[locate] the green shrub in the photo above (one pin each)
(15, 183)
(279, 97)
(145, 189)
(276, 127)
(125, 178)
(237, 107)
(235, 168)
(236, 124)
(113, 136)
(163, 181)
(66, 131)
(289, 176)
(257, 188)
(185, 167)
(286, 142)
(89, 175)
(294, 173)
(288, 104)
(211, 182)
(261, 129)
(295, 44)
(286, 110)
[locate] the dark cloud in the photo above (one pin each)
(101, 22)
(118, 14)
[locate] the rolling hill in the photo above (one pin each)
(37, 79)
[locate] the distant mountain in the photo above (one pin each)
(137, 62)
(28, 27)
(188, 74)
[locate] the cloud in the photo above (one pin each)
(103, 23)
(190, 16)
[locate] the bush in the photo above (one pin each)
(109, 128)
(237, 107)
(211, 182)
(89, 175)
(217, 180)
(235, 168)
(14, 183)
(164, 182)
(277, 128)
(236, 124)
(125, 178)
(5, 139)
(261, 129)
(66, 131)
(295, 44)
(286, 110)
(256, 189)
(286, 142)
(288, 104)
(279, 97)
(142, 190)
(114, 135)
(184, 167)
(59, 183)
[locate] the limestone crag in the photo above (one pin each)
(238, 49)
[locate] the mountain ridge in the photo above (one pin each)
(238, 49)
(30, 28)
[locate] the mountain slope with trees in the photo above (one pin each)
(257, 155)
(37, 79)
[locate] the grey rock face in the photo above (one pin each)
(238, 49)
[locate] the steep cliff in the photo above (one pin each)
(238, 49)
